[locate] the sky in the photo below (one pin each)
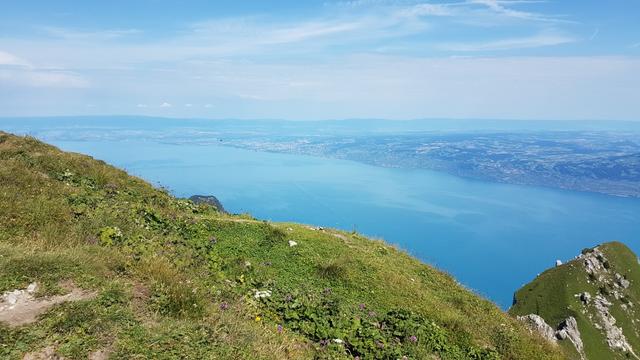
(304, 60)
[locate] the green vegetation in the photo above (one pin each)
(555, 295)
(178, 280)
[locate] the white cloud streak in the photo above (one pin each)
(17, 71)
(101, 35)
(8, 59)
(535, 41)
(502, 7)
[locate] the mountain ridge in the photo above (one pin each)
(597, 293)
(172, 279)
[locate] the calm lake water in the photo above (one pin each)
(492, 237)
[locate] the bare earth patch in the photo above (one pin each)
(20, 307)
(48, 353)
(102, 354)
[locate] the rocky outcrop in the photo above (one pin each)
(208, 200)
(602, 303)
(537, 324)
(622, 281)
(611, 284)
(566, 330)
(615, 338)
(594, 263)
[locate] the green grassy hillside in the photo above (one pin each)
(600, 285)
(167, 279)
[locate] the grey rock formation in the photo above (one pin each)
(615, 338)
(537, 324)
(594, 262)
(620, 280)
(585, 298)
(597, 266)
(568, 329)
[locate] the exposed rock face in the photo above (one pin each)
(568, 329)
(597, 266)
(537, 324)
(620, 280)
(615, 337)
(597, 296)
(594, 262)
(208, 200)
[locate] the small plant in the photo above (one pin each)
(272, 235)
(110, 235)
(396, 334)
(152, 220)
(176, 299)
(333, 270)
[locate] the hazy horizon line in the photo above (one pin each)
(17, 117)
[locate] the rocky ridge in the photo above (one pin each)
(603, 308)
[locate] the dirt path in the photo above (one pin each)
(20, 307)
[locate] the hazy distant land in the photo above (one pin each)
(585, 161)
(592, 156)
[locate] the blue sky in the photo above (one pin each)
(517, 59)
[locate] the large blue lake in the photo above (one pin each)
(492, 237)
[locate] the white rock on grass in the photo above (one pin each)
(32, 288)
(11, 298)
(292, 243)
(261, 294)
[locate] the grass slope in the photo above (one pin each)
(178, 280)
(552, 295)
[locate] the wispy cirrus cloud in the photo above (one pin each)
(503, 7)
(97, 35)
(8, 59)
(18, 71)
(41, 79)
(352, 27)
(365, 58)
(419, 10)
(534, 41)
